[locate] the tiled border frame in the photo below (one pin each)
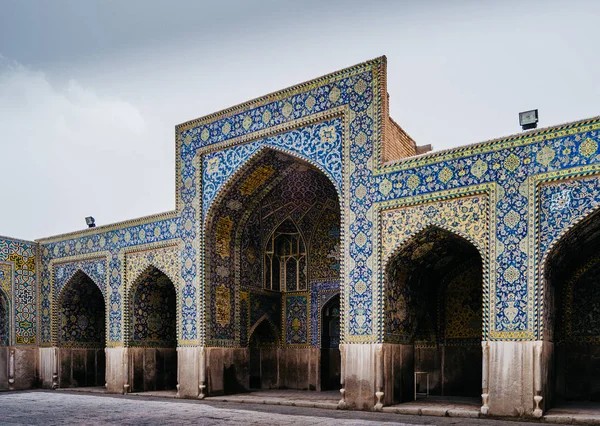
(494, 145)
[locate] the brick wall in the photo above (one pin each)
(397, 144)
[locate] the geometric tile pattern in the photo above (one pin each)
(82, 313)
(296, 314)
(19, 287)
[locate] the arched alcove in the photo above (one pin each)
(272, 241)
(263, 345)
(153, 332)
(81, 333)
(572, 290)
(433, 315)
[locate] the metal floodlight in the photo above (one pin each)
(91, 222)
(528, 119)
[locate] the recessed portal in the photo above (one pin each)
(81, 333)
(263, 357)
(272, 262)
(153, 333)
(434, 310)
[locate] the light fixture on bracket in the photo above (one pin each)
(528, 119)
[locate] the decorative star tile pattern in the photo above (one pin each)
(18, 285)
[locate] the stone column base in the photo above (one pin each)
(117, 370)
(517, 377)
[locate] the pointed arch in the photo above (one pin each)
(270, 324)
(433, 272)
(78, 273)
(581, 221)
(570, 321)
(168, 290)
(222, 188)
(247, 189)
(79, 322)
(401, 243)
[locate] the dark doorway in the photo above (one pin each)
(263, 357)
(330, 345)
(81, 334)
(434, 304)
(153, 332)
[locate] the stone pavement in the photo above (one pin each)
(58, 408)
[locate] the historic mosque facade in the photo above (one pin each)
(315, 246)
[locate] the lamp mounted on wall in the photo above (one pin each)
(91, 222)
(528, 119)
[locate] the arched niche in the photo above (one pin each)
(152, 335)
(272, 239)
(433, 315)
(81, 333)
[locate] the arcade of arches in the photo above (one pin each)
(273, 272)
(273, 265)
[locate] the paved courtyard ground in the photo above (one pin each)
(59, 408)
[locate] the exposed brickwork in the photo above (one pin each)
(397, 143)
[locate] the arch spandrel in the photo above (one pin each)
(564, 205)
(464, 216)
(166, 260)
(221, 168)
(94, 269)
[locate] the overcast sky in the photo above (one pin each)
(90, 91)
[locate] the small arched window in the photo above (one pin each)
(285, 259)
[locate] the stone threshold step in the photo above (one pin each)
(432, 411)
(572, 419)
(273, 401)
